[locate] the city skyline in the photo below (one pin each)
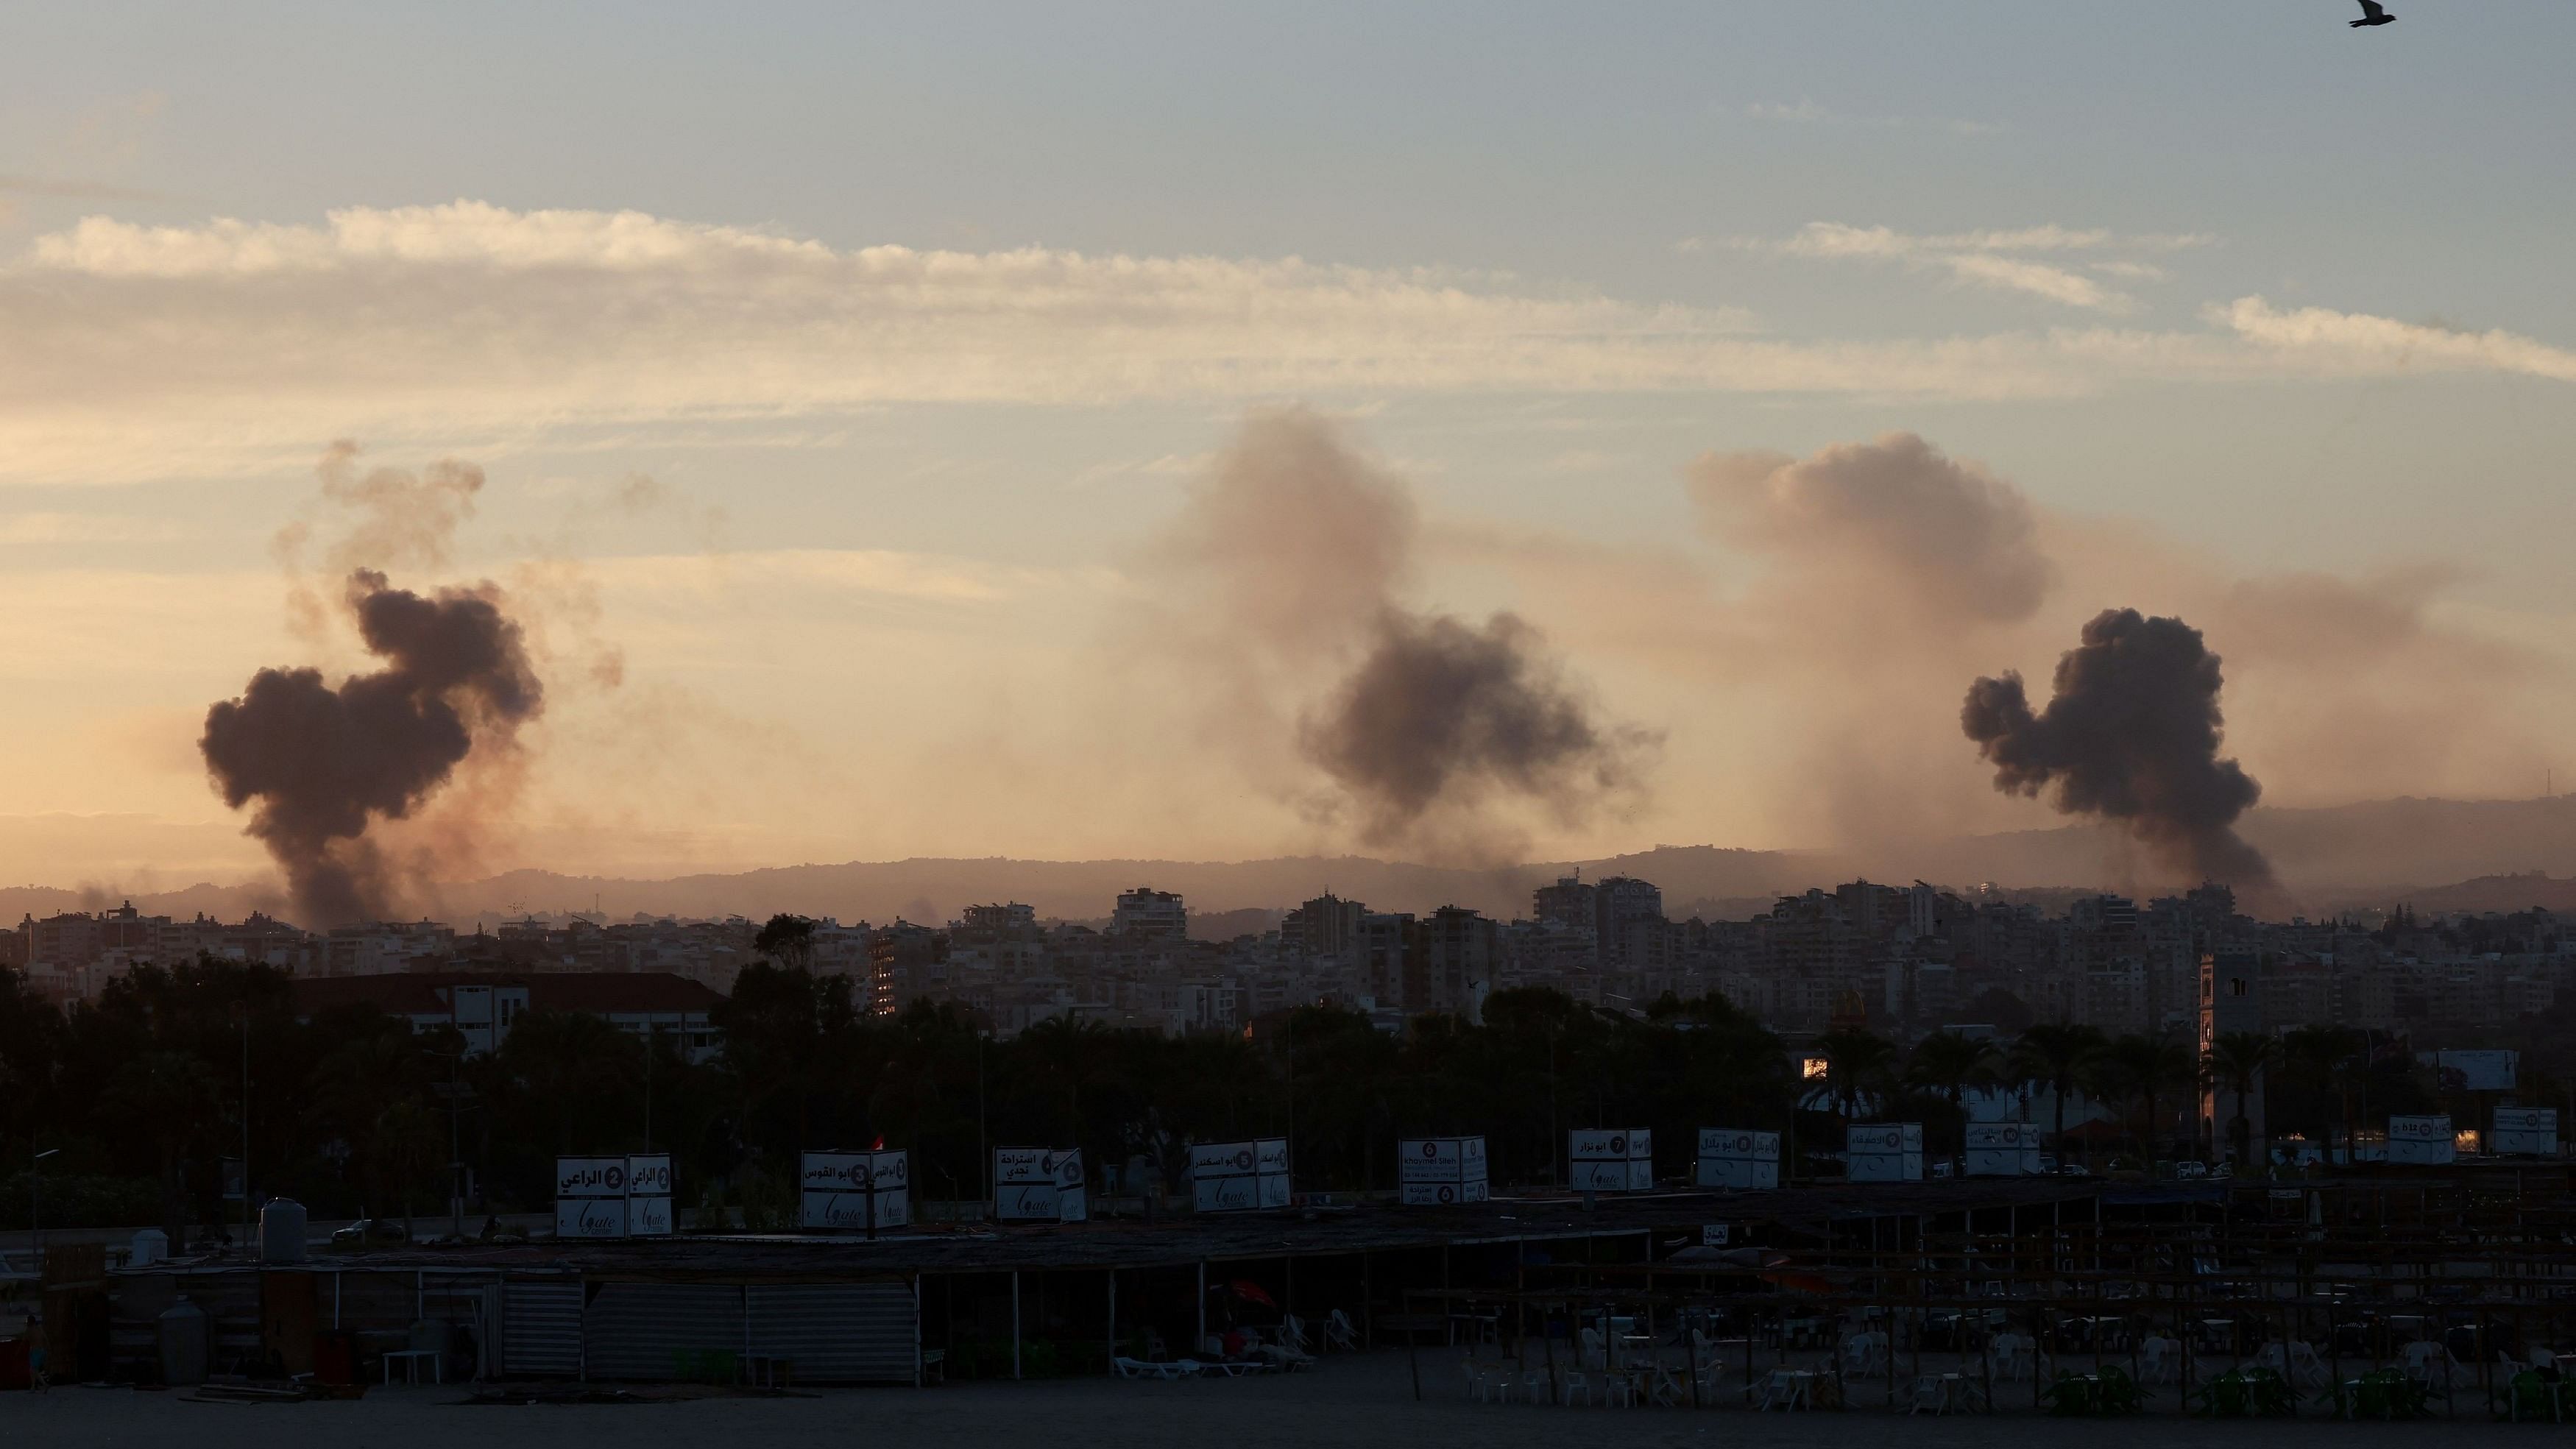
(1696, 708)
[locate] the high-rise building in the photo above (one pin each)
(1383, 939)
(1324, 926)
(1569, 902)
(999, 918)
(1145, 911)
(905, 964)
(1617, 901)
(1449, 961)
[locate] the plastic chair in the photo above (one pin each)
(2528, 1396)
(1575, 1381)
(1616, 1388)
(2307, 1368)
(1865, 1355)
(1338, 1332)
(1478, 1382)
(2160, 1361)
(1778, 1390)
(1595, 1352)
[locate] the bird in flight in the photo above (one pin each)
(2373, 13)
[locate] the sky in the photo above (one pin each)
(842, 378)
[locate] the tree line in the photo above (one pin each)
(141, 1094)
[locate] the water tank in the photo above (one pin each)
(183, 1344)
(150, 1246)
(281, 1231)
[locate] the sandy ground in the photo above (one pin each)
(1354, 1402)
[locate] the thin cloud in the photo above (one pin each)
(1996, 259)
(2038, 279)
(2351, 342)
(234, 347)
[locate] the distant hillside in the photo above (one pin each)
(2498, 851)
(2494, 893)
(224, 902)
(936, 890)
(2368, 853)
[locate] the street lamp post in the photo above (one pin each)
(36, 1202)
(455, 1140)
(245, 1123)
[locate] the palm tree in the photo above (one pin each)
(2235, 1064)
(164, 1097)
(2143, 1064)
(1948, 1063)
(403, 1152)
(1857, 1064)
(2056, 1055)
(1065, 1054)
(2313, 1056)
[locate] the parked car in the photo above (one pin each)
(369, 1230)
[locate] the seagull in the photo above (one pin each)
(2373, 13)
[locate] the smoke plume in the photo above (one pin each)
(1288, 567)
(322, 763)
(2131, 734)
(1944, 542)
(1440, 707)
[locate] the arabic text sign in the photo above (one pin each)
(1441, 1159)
(1610, 1144)
(2525, 1132)
(590, 1177)
(2422, 1141)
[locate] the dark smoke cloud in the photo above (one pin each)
(1285, 571)
(1440, 708)
(324, 763)
(2131, 733)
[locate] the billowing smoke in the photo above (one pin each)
(323, 763)
(2131, 734)
(1440, 707)
(1911, 528)
(1287, 567)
